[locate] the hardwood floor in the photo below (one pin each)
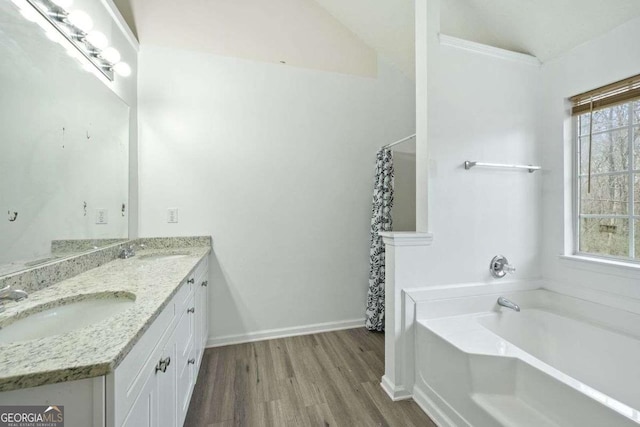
(329, 379)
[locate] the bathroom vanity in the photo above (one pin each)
(116, 341)
(135, 366)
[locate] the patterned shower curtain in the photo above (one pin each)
(380, 221)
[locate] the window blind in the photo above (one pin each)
(615, 93)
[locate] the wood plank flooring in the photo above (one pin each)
(329, 379)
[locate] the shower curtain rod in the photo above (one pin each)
(399, 141)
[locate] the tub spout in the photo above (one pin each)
(508, 304)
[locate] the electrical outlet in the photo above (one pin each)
(172, 215)
(102, 216)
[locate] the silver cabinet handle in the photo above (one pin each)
(191, 310)
(205, 283)
(163, 364)
(191, 361)
(192, 280)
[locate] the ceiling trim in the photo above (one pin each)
(121, 23)
(487, 50)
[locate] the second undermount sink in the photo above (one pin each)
(64, 318)
(163, 256)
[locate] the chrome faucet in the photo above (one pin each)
(127, 252)
(11, 294)
(502, 301)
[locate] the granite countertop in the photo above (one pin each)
(97, 349)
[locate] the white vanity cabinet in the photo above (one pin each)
(153, 384)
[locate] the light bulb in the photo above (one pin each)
(110, 54)
(81, 20)
(97, 39)
(63, 3)
(122, 69)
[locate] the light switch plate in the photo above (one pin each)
(172, 215)
(102, 216)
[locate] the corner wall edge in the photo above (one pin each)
(487, 50)
(406, 238)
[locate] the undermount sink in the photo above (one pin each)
(163, 257)
(64, 318)
(39, 261)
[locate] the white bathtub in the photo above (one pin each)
(561, 361)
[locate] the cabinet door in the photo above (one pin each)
(186, 357)
(204, 318)
(166, 386)
(186, 381)
(144, 412)
(201, 312)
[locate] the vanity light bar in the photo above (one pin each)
(58, 17)
(75, 27)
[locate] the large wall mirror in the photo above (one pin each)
(64, 144)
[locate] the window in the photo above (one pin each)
(607, 184)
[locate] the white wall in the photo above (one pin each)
(276, 163)
(601, 61)
(483, 108)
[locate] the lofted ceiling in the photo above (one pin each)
(387, 26)
(293, 32)
(322, 33)
(542, 28)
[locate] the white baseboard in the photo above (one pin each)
(284, 332)
(395, 393)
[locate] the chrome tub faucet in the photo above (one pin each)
(502, 301)
(499, 267)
